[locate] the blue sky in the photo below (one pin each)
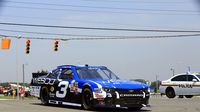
(130, 59)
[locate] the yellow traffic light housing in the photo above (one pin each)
(28, 42)
(56, 45)
(5, 43)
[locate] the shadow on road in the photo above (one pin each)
(120, 110)
(96, 109)
(61, 106)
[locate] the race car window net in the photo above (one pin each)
(66, 74)
(54, 74)
(96, 73)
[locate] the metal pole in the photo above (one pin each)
(156, 83)
(188, 68)
(173, 71)
(23, 74)
(17, 68)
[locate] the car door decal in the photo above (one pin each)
(63, 89)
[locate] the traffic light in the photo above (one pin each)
(5, 43)
(28, 42)
(56, 45)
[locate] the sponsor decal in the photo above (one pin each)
(99, 96)
(52, 89)
(46, 81)
(73, 87)
(131, 95)
(131, 91)
(52, 95)
(35, 91)
(98, 90)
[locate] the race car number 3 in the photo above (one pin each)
(63, 89)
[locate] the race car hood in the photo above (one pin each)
(120, 84)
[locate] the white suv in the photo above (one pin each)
(186, 84)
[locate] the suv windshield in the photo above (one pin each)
(96, 73)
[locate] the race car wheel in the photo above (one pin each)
(134, 108)
(44, 95)
(87, 98)
(180, 96)
(188, 96)
(170, 93)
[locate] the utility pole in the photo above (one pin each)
(23, 74)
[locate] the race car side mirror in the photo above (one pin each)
(194, 80)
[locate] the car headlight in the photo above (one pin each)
(108, 90)
(147, 90)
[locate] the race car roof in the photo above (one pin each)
(79, 66)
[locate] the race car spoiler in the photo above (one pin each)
(36, 75)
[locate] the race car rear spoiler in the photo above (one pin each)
(36, 75)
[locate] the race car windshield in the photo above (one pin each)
(96, 73)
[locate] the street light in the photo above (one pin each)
(173, 71)
(188, 68)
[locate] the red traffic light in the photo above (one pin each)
(28, 42)
(55, 45)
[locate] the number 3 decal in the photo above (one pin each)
(63, 89)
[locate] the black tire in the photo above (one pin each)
(180, 96)
(170, 93)
(188, 96)
(87, 99)
(44, 96)
(134, 108)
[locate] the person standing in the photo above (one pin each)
(22, 92)
(14, 93)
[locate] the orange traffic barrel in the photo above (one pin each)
(5, 43)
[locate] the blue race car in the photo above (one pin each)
(88, 87)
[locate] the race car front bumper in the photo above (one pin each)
(123, 100)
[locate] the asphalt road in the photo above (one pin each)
(158, 104)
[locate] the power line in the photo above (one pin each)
(59, 34)
(105, 38)
(79, 35)
(103, 7)
(136, 1)
(100, 28)
(74, 20)
(150, 11)
(94, 21)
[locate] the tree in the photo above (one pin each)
(155, 85)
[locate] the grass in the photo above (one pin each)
(5, 97)
(11, 97)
